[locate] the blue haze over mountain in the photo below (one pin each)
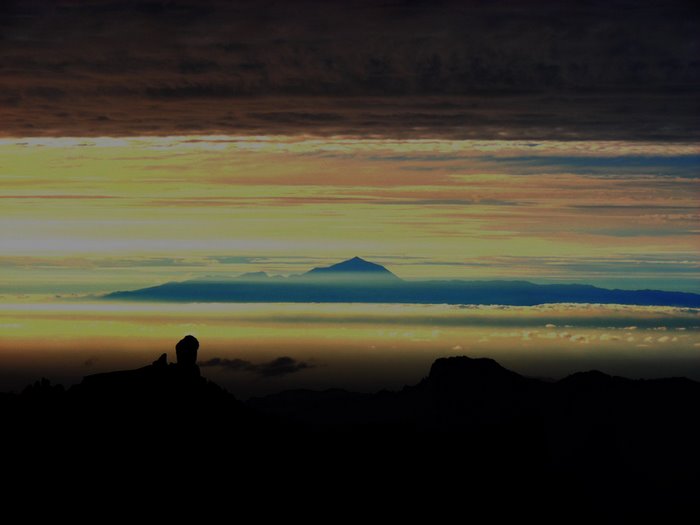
(360, 281)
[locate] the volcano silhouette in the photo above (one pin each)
(359, 281)
(355, 268)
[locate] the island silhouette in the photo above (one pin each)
(359, 281)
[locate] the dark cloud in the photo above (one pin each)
(626, 264)
(685, 166)
(280, 366)
(612, 69)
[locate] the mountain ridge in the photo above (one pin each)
(573, 442)
(358, 281)
(351, 269)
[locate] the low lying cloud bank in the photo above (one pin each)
(280, 366)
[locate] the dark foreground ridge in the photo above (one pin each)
(588, 417)
(617, 437)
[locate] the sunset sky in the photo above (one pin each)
(151, 141)
(97, 214)
(147, 141)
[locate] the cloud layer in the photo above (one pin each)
(459, 69)
(616, 214)
(278, 367)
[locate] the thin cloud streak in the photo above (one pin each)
(330, 200)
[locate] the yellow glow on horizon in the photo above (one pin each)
(439, 201)
(347, 343)
(307, 143)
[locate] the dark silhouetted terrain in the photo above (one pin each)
(589, 418)
(591, 441)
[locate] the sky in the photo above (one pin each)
(464, 69)
(103, 214)
(145, 141)
(258, 349)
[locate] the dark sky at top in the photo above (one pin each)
(470, 69)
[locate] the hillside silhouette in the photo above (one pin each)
(641, 423)
(613, 439)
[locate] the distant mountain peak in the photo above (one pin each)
(357, 280)
(352, 268)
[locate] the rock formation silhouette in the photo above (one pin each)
(626, 442)
(186, 351)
